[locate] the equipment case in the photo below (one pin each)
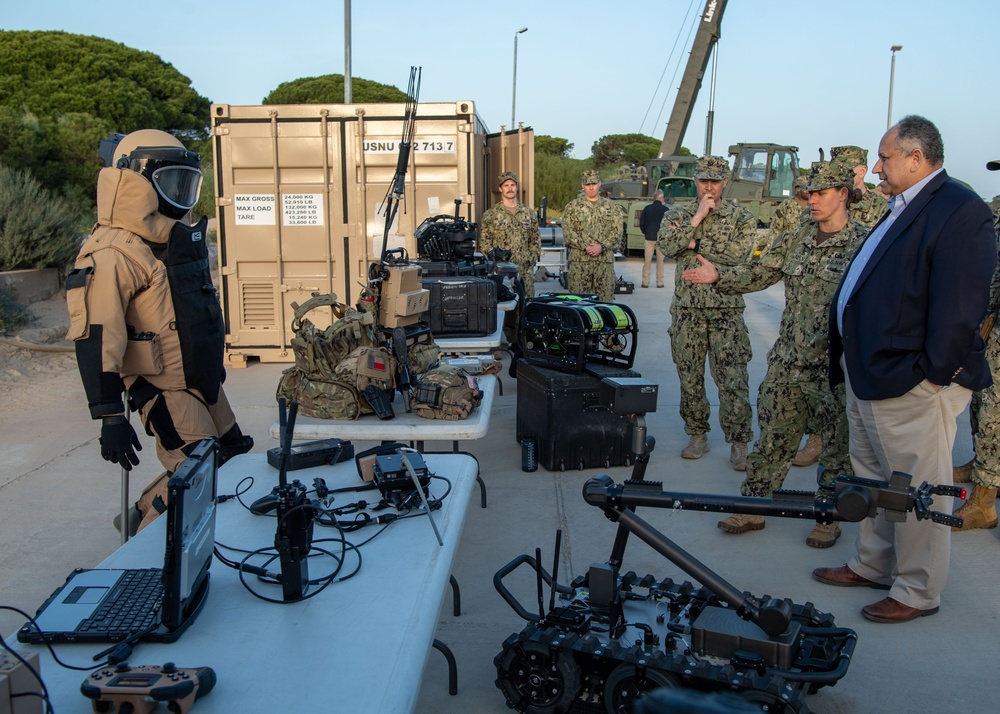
(448, 268)
(563, 413)
(462, 306)
(569, 331)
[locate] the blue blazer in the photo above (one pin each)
(918, 304)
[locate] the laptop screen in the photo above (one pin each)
(191, 534)
(110, 605)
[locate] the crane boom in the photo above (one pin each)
(707, 35)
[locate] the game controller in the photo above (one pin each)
(137, 690)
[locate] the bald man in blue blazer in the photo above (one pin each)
(904, 335)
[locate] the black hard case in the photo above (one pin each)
(448, 268)
(462, 306)
(563, 412)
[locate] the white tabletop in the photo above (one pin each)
(405, 427)
(469, 344)
(359, 646)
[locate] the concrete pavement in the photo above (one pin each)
(57, 498)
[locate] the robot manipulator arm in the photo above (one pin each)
(854, 499)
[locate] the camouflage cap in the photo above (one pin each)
(850, 155)
(711, 168)
(591, 176)
(830, 174)
(993, 165)
(507, 176)
(800, 183)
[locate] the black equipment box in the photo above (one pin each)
(623, 286)
(445, 237)
(564, 414)
(629, 395)
(462, 306)
(312, 453)
(394, 480)
(450, 268)
(567, 332)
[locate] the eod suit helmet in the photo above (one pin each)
(162, 159)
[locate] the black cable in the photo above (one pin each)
(324, 582)
(238, 495)
(34, 673)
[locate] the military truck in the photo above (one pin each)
(762, 174)
(761, 177)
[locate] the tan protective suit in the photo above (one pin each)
(143, 274)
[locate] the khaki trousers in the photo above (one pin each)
(913, 433)
(650, 248)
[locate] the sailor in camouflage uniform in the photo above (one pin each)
(510, 225)
(592, 227)
(871, 205)
(980, 511)
(704, 321)
(787, 216)
(811, 261)
(868, 207)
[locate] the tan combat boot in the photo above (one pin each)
(741, 523)
(738, 456)
(810, 452)
(696, 448)
(963, 473)
(980, 510)
(823, 536)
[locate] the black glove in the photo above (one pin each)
(117, 439)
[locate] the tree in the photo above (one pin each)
(552, 146)
(329, 89)
(61, 93)
(628, 148)
(54, 73)
(558, 179)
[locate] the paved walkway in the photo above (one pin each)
(57, 498)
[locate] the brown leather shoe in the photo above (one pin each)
(889, 610)
(846, 578)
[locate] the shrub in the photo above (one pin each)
(37, 229)
(12, 313)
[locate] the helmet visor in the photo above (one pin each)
(178, 185)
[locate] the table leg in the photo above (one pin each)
(456, 597)
(452, 666)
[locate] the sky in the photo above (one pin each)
(810, 74)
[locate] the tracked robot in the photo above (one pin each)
(607, 638)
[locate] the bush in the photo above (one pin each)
(37, 228)
(12, 313)
(558, 178)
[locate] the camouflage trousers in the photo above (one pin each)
(526, 271)
(985, 416)
(720, 334)
(790, 399)
(592, 276)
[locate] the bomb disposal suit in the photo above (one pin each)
(144, 314)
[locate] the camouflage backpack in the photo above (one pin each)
(364, 366)
(318, 352)
(446, 393)
(319, 398)
(314, 381)
(422, 357)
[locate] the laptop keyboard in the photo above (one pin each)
(135, 606)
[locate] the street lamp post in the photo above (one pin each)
(513, 97)
(892, 76)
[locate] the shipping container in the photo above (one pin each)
(299, 196)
